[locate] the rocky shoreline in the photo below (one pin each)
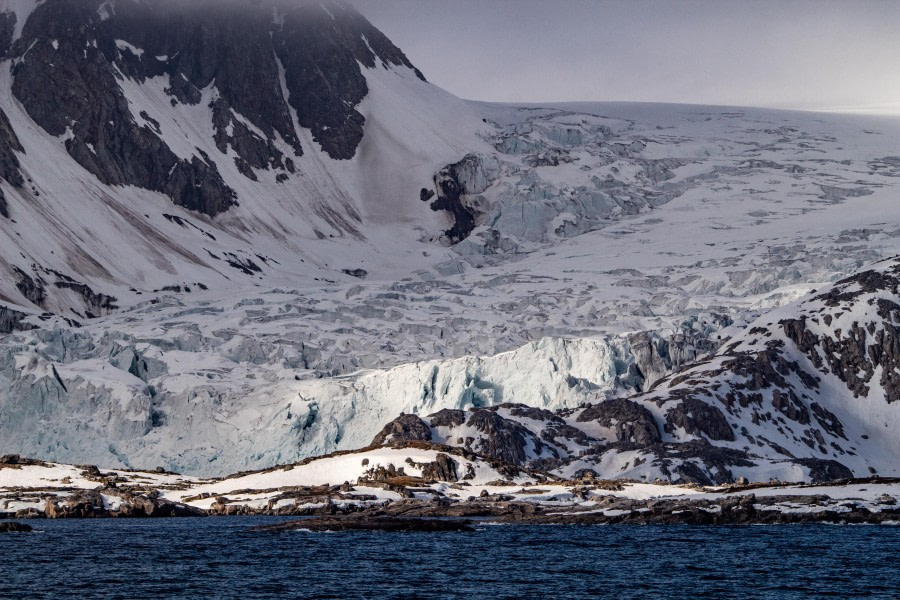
(742, 510)
(439, 514)
(428, 487)
(735, 510)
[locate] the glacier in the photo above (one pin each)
(424, 253)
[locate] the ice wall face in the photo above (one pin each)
(199, 396)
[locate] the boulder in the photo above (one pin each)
(442, 469)
(12, 527)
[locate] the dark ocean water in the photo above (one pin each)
(219, 558)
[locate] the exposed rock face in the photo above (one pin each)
(564, 441)
(455, 185)
(34, 287)
(805, 383)
(825, 470)
(866, 348)
(698, 461)
(9, 162)
(358, 273)
(447, 417)
(502, 439)
(65, 54)
(95, 303)
(442, 469)
(8, 22)
(321, 50)
(198, 45)
(12, 320)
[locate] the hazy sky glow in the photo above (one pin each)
(811, 54)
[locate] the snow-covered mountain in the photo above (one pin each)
(194, 145)
(809, 391)
(236, 235)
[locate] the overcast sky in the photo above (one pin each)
(809, 54)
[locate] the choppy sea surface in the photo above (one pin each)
(221, 558)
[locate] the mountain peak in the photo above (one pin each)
(267, 62)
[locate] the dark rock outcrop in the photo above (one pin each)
(855, 355)
(91, 504)
(450, 198)
(33, 288)
(9, 145)
(8, 22)
(825, 470)
(321, 51)
(502, 439)
(358, 273)
(699, 418)
(9, 162)
(632, 422)
(725, 509)
(402, 429)
(95, 303)
(447, 417)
